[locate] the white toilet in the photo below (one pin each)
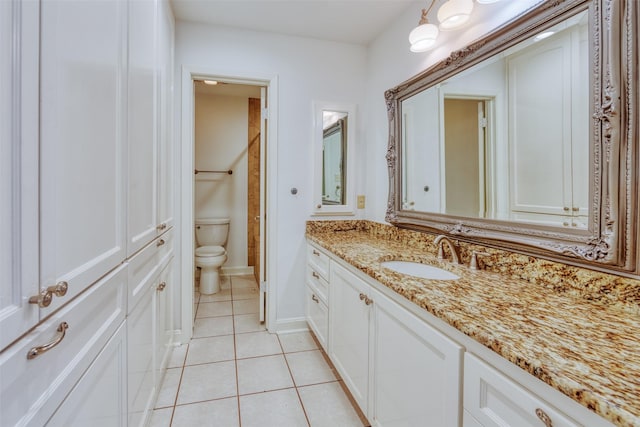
(211, 237)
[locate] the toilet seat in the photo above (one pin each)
(209, 251)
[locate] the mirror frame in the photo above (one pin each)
(348, 208)
(609, 242)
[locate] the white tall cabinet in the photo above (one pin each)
(85, 185)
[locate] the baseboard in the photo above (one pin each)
(179, 339)
(296, 324)
(237, 271)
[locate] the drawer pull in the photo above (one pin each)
(161, 286)
(316, 253)
(161, 226)
(316, 275)
(315, 298)
(546, 419)
(37, 351)
(362, 296)
(367, 300)
(160, 242)
(44, 298)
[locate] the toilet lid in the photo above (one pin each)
(210, 251)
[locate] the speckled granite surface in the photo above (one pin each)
(575, 329)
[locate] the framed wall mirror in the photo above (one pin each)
(527, 138)
(333, 159)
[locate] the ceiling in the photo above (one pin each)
(348, 21)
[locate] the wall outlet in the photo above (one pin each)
(361, 202)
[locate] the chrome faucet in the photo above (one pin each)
(439, 241)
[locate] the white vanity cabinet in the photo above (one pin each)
(491, 399)
(349, 331)
(400, 370)
(317, 280)
(416, 370)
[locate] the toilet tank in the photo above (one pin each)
(212, 231)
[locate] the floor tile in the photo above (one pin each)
(225, 282)
(238, 282)
(263, 374)
(218, 413)
(309, 367)
(177, 356)
(222, 295)
(248, 323)
(214, 309)
(206, 382)
(161, 417)
(327, 405)
(256, 344)
(213, 326)
(169, 388)
(211, 349)
(275, 408)
(297, 341)
(246, 306)
(245, 293)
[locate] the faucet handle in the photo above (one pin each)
(440, 252)
(473, 264)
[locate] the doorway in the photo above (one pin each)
(234, 165)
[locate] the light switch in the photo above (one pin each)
(361, 202)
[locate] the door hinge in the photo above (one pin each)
(483, 122)
(265, 112)
(263, 286)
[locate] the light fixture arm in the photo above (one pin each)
(425, 12)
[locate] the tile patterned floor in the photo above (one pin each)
(234, 373)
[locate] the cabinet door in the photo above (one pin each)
(497, 401)
(141, 126)
(100, 397)
(165, 116)
(141, 377)
(163, 320)
(81, 151)
(349, 331)
(416, 370)
(19, 38)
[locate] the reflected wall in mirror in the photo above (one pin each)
(333, 159)
(526, 139)
(334, 143)
(510, 139)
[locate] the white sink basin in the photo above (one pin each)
(417, 269)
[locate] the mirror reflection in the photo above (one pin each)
(334, 137)
(507, 139)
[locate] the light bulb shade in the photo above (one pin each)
(423, 37)
(487, 1)
(454, 13)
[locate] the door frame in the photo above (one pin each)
(185, 152)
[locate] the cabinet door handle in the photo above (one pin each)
(160, 242)
(161, 286)
(37, 351)
(546, 419)
(161, 226)
(315, 298)
(367, 300)
(316, 253)
(362, 296)
(44, 298)
(314, 274)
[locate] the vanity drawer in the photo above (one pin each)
(33, 388)
(493, 399)
(145, 266)
(319, 261)
(317, 317)
(317, 282)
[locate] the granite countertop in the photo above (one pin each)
(588, 350)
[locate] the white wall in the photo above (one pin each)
(390, 62)
(221, 134)
(307, 70)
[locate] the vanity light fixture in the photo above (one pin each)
(210, 82)
(487, 1)
(544, 35)
(454, 13)
(424, 36)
